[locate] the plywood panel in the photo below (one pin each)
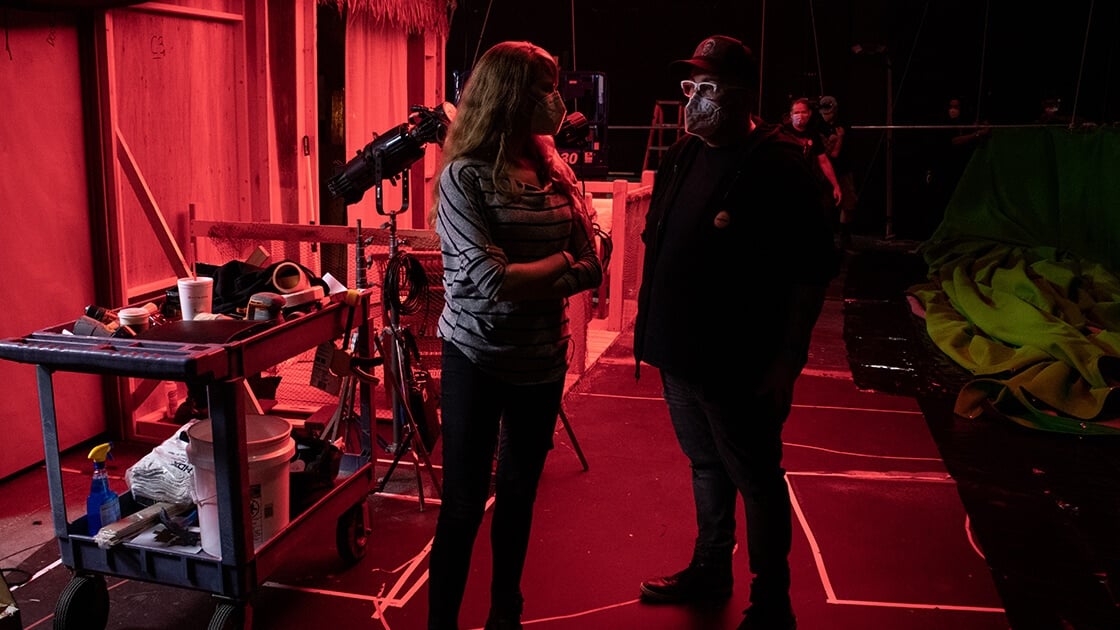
(44, 243)
(179, 104)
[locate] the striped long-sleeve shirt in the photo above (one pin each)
(526, 341)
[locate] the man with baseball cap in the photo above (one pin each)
(734, 227)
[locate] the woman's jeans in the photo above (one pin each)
(479, 412)
(733, 441)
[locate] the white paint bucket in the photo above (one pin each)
(270, 449)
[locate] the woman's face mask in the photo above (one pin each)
(548, 115)
(702, 116)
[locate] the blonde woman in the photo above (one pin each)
(516, 243)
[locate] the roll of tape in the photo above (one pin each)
(289, 278)
(265, 306)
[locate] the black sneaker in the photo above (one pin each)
(764, 617)
(505, 615)
(696, 584)
(503, 623)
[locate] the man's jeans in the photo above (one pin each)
(732, 438)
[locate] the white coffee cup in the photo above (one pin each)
(196, 295)
(135, 317)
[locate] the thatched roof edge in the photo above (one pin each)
(415, 16)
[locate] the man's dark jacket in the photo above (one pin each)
(742, 294)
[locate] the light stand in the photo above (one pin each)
(399, 378)
(393, 153)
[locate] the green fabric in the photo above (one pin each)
(1022, 288)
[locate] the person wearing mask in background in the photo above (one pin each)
(734, 225)
(1050, 112)
(805, 128)
(516, 242)
(834, 133)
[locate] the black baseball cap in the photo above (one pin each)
(722, 56)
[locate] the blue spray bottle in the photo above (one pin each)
(103, 505)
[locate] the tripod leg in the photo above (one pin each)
(404, 417)
(419, 479)
(397, 454)
(333, 426)
(420, 455)
(408, 417)
(572, 437)
(426, 461)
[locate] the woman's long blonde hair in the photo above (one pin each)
(495, 107)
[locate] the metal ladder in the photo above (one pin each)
(663, 131)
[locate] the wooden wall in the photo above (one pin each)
(46, 240)
(116, 122)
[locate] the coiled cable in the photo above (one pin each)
(404, 276)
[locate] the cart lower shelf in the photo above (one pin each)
(84, 603)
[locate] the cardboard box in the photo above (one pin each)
(9, 612)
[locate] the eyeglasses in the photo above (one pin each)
(706, 89)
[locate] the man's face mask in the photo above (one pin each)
(702, 116)
(799, 120)
(548, 115)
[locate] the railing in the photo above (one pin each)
(620, 208)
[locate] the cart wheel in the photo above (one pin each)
(225, 617)
(351, 534)
(83, 604)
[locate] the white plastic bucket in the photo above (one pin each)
(269, 449)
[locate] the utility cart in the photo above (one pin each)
(219, 355)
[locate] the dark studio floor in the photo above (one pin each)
(906, 517)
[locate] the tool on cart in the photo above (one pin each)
(179, 526)
(349, 366)
(103, 506)
(354, 364)
(122, 529)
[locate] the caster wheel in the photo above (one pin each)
(352, 534)
(83, 604)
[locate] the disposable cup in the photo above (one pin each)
(196, 295)
(135, 317)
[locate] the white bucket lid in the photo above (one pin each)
(264, 435)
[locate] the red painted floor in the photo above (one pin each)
(882, 537)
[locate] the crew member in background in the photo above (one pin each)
(804, 126)
(834, 132)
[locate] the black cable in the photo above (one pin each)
(404, 275)
(25, 580)
(605, 244)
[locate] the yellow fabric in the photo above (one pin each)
(1022, 289)
(1040, 330)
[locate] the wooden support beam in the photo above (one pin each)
(151, 208)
